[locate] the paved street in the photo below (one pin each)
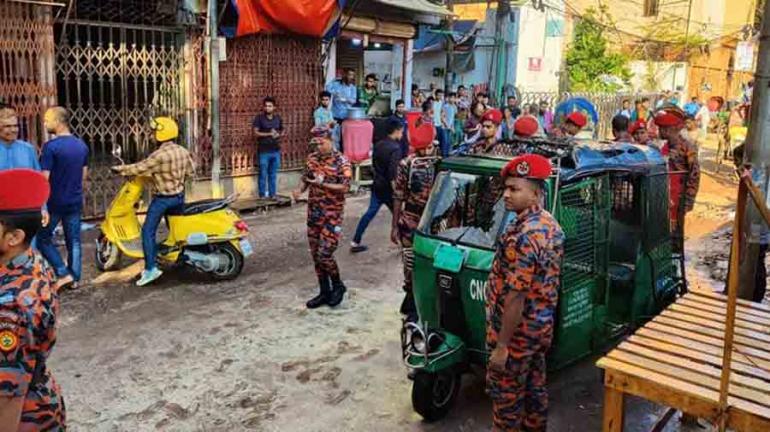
(189, 355)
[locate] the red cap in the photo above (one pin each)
(666, 118)
(321, 132)
(493, 115)
(526, 126)
(577, 118)
(422, 136)
(28, 191)
(530, 166)
(635, 126)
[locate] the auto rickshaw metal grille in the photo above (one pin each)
(582, 213)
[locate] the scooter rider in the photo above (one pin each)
(168, 167)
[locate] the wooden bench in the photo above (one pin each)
(676, 360)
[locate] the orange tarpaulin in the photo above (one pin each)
(307, 17)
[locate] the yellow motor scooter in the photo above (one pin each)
(207, 235)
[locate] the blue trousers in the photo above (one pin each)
(269, 162)
(160, 206)
(442, 134)
(375, 203)
(71, 224)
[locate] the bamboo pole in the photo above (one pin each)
(732, 293)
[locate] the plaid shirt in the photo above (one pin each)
(168, 167)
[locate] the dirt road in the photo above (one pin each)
(189, 355)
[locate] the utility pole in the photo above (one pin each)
(216, 166)
(503, 17)
(757, 153)
(450, 49)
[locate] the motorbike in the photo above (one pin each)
(207, 235)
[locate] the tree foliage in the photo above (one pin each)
(590, 65)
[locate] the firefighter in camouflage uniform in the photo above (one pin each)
(30, 398)
(327, 177)
(413, 184)
(522, 294)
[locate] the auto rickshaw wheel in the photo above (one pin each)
(107, 254)
(434, 394)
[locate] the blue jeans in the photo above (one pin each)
(160, 206)
(444, 144)
(71, 225)
(375, 203)
(268, 172)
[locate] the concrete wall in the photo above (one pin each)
(526, 39)
(663, 73)
(244, 186)
(533, 43)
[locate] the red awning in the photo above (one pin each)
(307, 17)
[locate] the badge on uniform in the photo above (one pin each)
(8, 341)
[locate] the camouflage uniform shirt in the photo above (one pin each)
(528, 261)
(28, 310)
(414, 180)
(324, 204)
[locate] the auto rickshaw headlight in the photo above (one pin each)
(418, 342)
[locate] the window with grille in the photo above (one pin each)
(651, 7)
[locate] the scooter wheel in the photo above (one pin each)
(434, 394)
(107, 254)
(233, 265)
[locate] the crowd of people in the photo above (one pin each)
(521, 299)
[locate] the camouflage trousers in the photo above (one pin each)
(323, 238)
(519, 395)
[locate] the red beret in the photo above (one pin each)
(493, 115)
(526, 126)
(530, 166)
(577, 118)
(635, 126)
(421, 137)
(665, 118)
(23, 190)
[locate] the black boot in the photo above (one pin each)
(323, 297)
(338, 291)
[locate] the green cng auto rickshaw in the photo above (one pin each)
(617, 272)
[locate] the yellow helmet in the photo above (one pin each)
(165, 129)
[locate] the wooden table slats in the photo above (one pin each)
(676, 360)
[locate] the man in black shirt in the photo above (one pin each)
(400, 116)
(268, 127)
(513, 105)
(385, 159)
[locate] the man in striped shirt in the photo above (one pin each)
(167, 167)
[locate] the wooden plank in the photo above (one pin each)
(659, 388)
(746, 350)
(740, 420)
(718, 318)
(721, 310)
(654, 387)
(702, 357)
(741, 302)
(716, 325)
(721, 304)
(706, 368)
(691, 376)
(613, 410)
(702, 347)
(708, 331)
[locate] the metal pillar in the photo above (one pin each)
(408, 66)
(757, 153)
(450, 49)
(216, 163)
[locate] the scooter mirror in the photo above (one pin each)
(117, 151)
